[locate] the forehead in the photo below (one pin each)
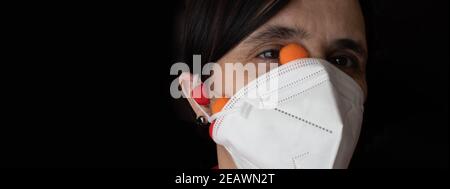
(325, 19)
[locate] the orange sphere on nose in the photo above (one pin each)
(291, 52)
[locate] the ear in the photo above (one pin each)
(191, 86)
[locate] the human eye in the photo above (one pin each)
(270, 54)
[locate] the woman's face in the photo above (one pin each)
(328, 29)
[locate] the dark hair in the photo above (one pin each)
(211, 28)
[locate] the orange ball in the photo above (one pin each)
(218, 104)
(291, 52)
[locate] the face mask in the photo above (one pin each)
(311, 119)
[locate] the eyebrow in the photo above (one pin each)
(277, 33)
(349, 44)
(271, 33)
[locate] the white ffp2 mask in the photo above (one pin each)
(314, 123)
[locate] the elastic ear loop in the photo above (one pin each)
(187, 94)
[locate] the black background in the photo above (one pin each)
(90, 89)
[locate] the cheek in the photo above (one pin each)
(363, 84)
(360, 78)
(235, 76)
(365, 88)
(226, 82)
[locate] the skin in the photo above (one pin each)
(328, 29)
